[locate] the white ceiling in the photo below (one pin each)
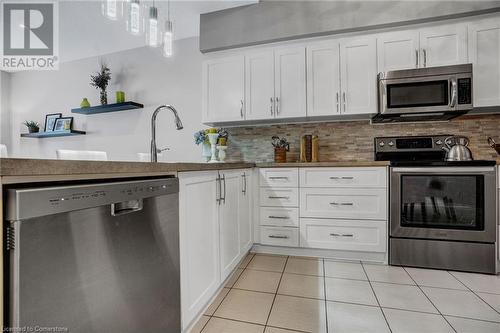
(84, 32)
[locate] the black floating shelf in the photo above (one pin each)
(108, 108)
(41, 135)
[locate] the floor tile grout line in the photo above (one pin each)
(483, 320)
(276, 294)
(376, 298)
(423, 292)
(472, 291)
(324, 288)
(288, 329)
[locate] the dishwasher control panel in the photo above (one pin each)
(32, 202)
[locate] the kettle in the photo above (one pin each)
(457, 149)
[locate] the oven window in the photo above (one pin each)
(444, 202)
(418, 94)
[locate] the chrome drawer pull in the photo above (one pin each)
(278, 177)
(342, 204)
(278, 236)
(344, 177)
(279, 217)
(286, 198)
(341, 235)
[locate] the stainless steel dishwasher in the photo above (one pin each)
(94, 257)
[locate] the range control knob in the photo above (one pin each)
(391, 143)
(381, 143)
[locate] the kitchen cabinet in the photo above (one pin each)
(398, 50)
(245, 210)
(290, 82)
(259, 79)
(358, 73)
(199, 241)
(484, 54)
(323, 79)
(224, 89)
(443, 45)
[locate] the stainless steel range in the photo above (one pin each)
(442, 213)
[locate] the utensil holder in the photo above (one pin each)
(280, 155)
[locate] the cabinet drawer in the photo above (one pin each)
(343, 177)
(344, 203)
(349, 235)
(285, 217)
(279, 197)
(280, 236)
(279, 177)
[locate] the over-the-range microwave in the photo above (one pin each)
(433, 93)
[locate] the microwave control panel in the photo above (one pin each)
(464, 91)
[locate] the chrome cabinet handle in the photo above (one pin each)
(343, 97)
(278, 236)
(341, 235)
(244, 191)
(274, 197)
(271, 108)
(223, 179)
(278, 217)
(241, 108)
(337, 100)
(453, 101)
(219, 184)
(277, 105)
(342, 203)
(425, 57)
(278, 177)
(416, 58)
(344, 177)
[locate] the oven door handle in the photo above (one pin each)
(444, 170)
(454, 93)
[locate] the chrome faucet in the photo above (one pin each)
(178, 125)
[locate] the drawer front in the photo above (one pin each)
(343, 177)
(351, 235)
(368, 204)
(279, 177)
(277, 216)
(279, 197)
(279, 236)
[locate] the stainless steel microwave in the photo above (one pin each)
(433, 93)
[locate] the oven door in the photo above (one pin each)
(449, 203)
(437, 93)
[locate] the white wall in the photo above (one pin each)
(144, 75)
(5, 108)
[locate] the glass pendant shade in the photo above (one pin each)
(110, 9)
(152, 29)
(134, 18)
(167, 39)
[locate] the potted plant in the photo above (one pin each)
(100, 81)
(201, 138)
(33, 126)
(281, 146)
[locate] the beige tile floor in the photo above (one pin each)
(280, 294)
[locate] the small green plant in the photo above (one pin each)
(100, 81)
(280, 142)
(33, 126)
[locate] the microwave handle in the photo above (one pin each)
(453, 87)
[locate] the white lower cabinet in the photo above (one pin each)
(351, 235)
(279, 236)
(215, 230)
(279, 216)
(280, 197)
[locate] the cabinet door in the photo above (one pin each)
(259, 69)
(358, 65)
(228, 222)
(245, 210)
(223, 89)
(397, 50)
(290, 82)
(484, 54)
(443, 45)
(199, 241)
(323, 79)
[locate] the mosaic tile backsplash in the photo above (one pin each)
(353, 141)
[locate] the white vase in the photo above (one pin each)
(222, 153)
(206, 150)
(212, 138)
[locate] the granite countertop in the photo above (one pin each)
(46, 170)
(323, 164)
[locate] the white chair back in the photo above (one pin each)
(84, 155)
(3, 151)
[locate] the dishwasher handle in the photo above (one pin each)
(126, 207)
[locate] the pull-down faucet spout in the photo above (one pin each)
(178, 125)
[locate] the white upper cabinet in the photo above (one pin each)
(398, 50)
(443, 45)
(323, 79)
(290, 82)
(259, 68)
(484, 54)
(224, 89)
(358, 72)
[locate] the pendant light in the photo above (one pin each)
(168, 35)
(134, 19)
(110, 9)
(152, 31)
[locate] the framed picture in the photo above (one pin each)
(63, 124)
(50, 121)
